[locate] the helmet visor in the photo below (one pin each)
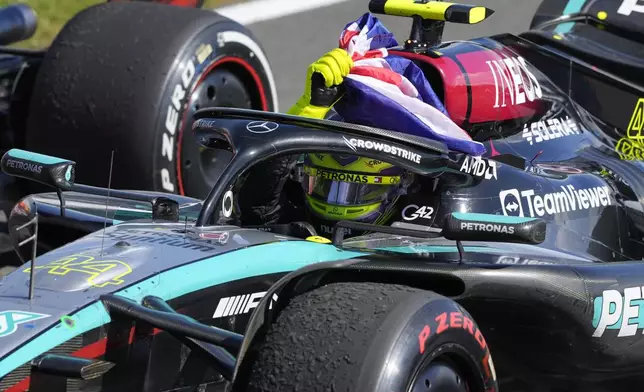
(345, 188)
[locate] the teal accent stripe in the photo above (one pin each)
(572, 7)
(470, 216)
(244, 263)
(35, 157)
(439, 249)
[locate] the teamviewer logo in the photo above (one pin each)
(511, 202)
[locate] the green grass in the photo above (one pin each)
(53, 14)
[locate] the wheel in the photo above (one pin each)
(127, 77)
(369, 337)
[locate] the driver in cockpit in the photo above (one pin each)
(332, 187)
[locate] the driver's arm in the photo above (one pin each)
(261, 199)
(328, 71)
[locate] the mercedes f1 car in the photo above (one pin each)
(125, 77)
(531, 254)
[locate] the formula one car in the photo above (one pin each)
(125, 77)
(530, 254)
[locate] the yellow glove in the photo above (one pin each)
(323, 74)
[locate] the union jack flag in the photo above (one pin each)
(394, 88)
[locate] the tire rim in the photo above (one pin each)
(202, 166)
(443, 371)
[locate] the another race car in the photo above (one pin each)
(530, 254)
(125, 78)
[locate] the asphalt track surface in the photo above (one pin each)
(294, 41)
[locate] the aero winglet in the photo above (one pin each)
(432, 10)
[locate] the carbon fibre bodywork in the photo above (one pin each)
(160, 304)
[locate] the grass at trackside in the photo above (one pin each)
(53, 14)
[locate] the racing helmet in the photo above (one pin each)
(346, 187)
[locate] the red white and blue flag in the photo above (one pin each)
(391, 92)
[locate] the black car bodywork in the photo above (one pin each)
(564, 314)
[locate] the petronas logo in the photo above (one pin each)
(636, 124)
(10, 319)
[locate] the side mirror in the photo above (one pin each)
(55, 172)
(498, 228)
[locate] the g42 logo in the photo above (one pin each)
(413, 212)
(10, 319)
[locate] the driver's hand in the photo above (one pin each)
(333, 67)
(323, 76)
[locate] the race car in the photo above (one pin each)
(124, 77)
(522, 273)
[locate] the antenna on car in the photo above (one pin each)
(107, 201)
(34, 239)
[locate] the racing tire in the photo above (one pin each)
(127, 77)
(369, 337)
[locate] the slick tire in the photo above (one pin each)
(369, 337)
(127, 77)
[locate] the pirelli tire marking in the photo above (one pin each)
(179, 96)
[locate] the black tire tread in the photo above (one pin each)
(346, 316)
(100, 88)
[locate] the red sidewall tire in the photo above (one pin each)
(107, 83)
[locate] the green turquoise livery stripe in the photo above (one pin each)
(572, 7)
(244, 263)
(440, 249)
(34, 157)
(488, 218)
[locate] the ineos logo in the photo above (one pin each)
(261, 126)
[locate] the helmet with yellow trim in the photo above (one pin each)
(346, 187)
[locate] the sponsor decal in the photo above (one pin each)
(487, 227)
(630, 6)
(356, 144)
(162, 238)
(513, 201)
(24, 166)
(219, 238)
(558, 168)
(479, 167)
(240, 304)
(617, 311)
(329, 230)
(512, 77)
(511, 260)
(373, 163)
(100, 273)
(343, 176)
(413, 212)
(11, 319)
(350, 177)
(631, 147)
(551, 129)
(261, 126)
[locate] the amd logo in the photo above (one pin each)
(630, 6)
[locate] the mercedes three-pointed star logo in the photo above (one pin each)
(262, 126)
